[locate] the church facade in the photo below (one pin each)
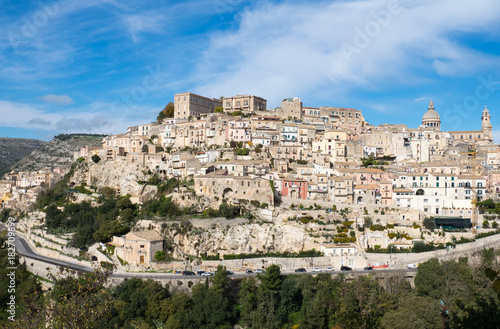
(432, 121)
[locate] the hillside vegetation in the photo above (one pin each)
(56, 153)
(14, 149)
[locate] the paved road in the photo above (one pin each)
(24, 249)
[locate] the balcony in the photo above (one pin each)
(178, 165)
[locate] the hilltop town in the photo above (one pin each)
(308, 179)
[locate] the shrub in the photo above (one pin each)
(96, 158)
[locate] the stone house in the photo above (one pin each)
(138, 248)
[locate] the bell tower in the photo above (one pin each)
(486, 126)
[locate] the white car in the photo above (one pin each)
(329, 268)
(411, 266)
(315, 269)
(259, 271)
(206, 274)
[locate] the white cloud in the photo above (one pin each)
(420, 99)
(58, 99)
(100, 118)
(138, 24)
(296, 49)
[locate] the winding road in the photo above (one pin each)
(24, 249)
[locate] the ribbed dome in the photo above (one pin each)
(431, 114)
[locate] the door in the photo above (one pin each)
(141, 259)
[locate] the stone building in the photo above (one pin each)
(191, 105)
(138, 248)
(244, 103)
(431, 118)
(290, 107)
(219, 184)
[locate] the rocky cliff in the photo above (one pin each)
(56, 153)
(118, 174)
(237, 239)
(14, 149)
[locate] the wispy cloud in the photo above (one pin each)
(58, 99)
(40, 122)
(293, 49)
(144, 23)
(421, 99)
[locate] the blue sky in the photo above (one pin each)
(99, 66)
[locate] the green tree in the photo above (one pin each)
(271, 279)
(220, 280)
(414, 313)
(429, 224)
(80, 302)
(96, 158)
(247, 298)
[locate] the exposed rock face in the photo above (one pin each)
(238, 239)
(14, 149)
(118, 174)
(56, 153)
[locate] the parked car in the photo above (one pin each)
(94, 258)
(315, 269)
(329, 269)
(259, 271)
(200, 272)
(368, 268)
(206, 274)
(229, 272)
(300, 270)
(248, 271)
(411, 266)
(188, 273)
(345, 268)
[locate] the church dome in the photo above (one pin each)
(431, 118)
(431, 114)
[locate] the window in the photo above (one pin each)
(142, 246)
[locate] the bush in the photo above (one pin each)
(160, 255)
(429, 224)
(96, 158)
(107, 265)
(242, 151)
(377, 227)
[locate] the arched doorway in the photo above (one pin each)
(227, 191)
(359, 200)
(420, 192)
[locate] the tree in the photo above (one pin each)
(247, 298)
(145, 148)
(167, 112)
(96, 158)
(80, 302)
(414, 313)
(429, 224)
(220, 280)
(486, 224)
(219, 109)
